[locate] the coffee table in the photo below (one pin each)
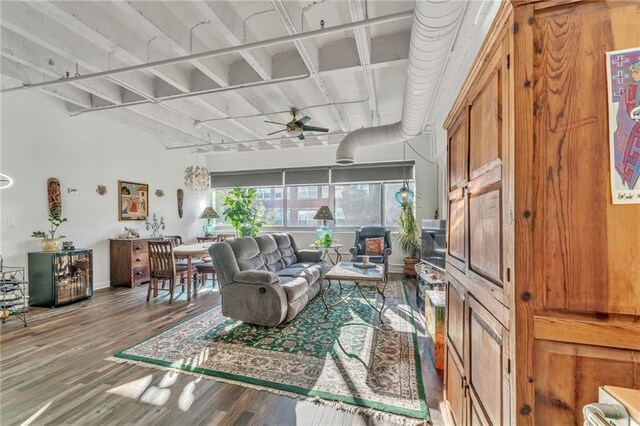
(346, 271)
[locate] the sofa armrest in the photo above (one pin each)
(256, 277)
(307, 255)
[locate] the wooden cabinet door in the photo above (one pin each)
(455, 313)
(487, 203)
(458, 152)
(455, 384)
(487, 366)
(457, 229)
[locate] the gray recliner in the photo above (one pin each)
(266, 280)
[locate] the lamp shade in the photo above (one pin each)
(209, 213)
(324, 213)
(404, 197)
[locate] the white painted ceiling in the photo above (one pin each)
(354, 78)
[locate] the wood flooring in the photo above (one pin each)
(55, 372)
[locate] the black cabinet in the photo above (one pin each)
(60, 278)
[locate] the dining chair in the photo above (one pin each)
(223, 237)
(162, 267)
(175, 239)
(206, 269)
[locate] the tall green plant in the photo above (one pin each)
(242, 212)
(55, 221)
(409, 235)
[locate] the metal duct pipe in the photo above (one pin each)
(435, 24)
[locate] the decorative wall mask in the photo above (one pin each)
(180, 201)
(55, 196)
(159, 193)
(101, 189)
(197, 178)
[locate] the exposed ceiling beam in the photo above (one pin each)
(234, 49)
(308, 52)
(358, 12)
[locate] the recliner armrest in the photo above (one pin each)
(387, 252)
(256, 277)
(353, 251)
(308, 255)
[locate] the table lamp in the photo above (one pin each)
(324, 214)
(209, 213)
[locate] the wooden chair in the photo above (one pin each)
(206, 269)
(223, 237)
(162, 267)
(175, 239)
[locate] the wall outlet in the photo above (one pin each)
(11, 223)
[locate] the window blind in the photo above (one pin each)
(242, 179)
(372, 173)
(307, 176)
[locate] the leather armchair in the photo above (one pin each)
(358, 250)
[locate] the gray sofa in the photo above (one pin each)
(266, 280)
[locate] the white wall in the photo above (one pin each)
(425, 176)
(39, 140)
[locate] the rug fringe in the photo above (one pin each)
(354, 409)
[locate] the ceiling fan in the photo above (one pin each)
(296, 128)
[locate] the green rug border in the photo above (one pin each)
(423, 414)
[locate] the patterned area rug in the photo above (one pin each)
(346, 359)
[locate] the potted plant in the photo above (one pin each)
(409, 239)
(48, 239)
(241, 211)
(325, 241)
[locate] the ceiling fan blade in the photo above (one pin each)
(315, 129)
(303, 120)
(275, 122)
(301, 136)
(273, 133)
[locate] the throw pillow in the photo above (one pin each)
(374, 246)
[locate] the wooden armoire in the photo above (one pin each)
(543, 288)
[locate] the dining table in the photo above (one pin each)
(190, 252)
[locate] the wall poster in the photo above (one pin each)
(133, 202)
(623, 78)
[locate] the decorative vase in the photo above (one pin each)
(410, 267)
(51, 245)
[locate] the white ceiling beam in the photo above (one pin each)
(24, 74)
(18, 16)
(358, 12)
(99, 27)
(308, 51)
(36, 27)
(23, 51)
(228, 23)
(150, 15)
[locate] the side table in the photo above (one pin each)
(327, 254)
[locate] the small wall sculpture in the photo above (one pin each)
(159, 193)
(101, 189)
(55, 196)
(180, 201)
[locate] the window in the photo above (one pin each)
(303, 203)
(358, 205)
(270, 206)
(308, 192)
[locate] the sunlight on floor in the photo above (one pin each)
(37, 414)
(159, 395)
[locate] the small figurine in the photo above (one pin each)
(129, 233)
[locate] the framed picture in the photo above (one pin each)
(623, 76)
(133, 200)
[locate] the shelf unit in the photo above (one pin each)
(13, 293)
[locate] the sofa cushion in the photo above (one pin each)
(270, 252)
(294, 287)
(247, 253)
(287, 250)
(290, 272)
